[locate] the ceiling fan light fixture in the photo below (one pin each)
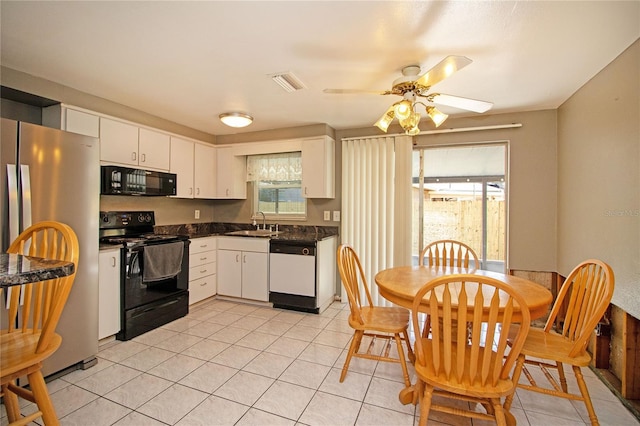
(410, 124)
(236, 119)
(386, 119)
(413, 131)
(437, 116)
(403, 109)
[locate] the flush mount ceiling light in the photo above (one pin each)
(412, 85)
(236, 119)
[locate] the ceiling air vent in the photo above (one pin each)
(288, 81)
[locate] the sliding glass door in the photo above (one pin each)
(459, 194)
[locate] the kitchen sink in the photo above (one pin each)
(254, 233)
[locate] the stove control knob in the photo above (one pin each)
(140, 218)
(148, 218)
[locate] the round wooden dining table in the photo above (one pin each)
(400, 284)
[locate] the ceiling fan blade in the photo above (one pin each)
(356, 91)
(458, 102)
(443, 69)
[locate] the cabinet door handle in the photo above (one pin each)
(134, 156)
(203, 258)
(227, 192)
(202, 271)
(244, 259)
(143, 158)
(113, 261)
(203, 245)
(305, 190)
(190, 191)
(197, 191)
(203, 284)
(237, 258)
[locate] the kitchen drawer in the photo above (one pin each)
(199, 245)
(202, 288)
(197, 259)
(196, 272)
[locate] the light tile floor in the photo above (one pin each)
(232, 363)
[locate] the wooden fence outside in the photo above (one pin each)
(462, 221)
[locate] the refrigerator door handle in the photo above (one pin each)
(14, 211)
(25, 179)
(14, 222)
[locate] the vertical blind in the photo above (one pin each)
(376, 203)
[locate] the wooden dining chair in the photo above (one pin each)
(382, 323)
(448, 253)
(585, 295)
(33, 314)
(471, 367)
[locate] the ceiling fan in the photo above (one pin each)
(412, 86)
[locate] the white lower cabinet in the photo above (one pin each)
(202, 269)
(243, 268)
(108, 293)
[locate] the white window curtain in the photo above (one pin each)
(283, 166)
(376, 204)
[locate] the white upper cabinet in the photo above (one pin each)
(128, 144)
(318, 167)
(231, 174)
(118, 142)
(153, 149)
(181, 163)
(195, 166)
(71, 119)
(82, 123)
(204, 173)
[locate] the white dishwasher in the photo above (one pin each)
(292, 275)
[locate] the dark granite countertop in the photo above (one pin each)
(17, 269)
(287, 232)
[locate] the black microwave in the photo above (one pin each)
(117, 180)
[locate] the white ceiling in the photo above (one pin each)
(190, 61)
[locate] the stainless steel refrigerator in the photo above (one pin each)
(49, 174)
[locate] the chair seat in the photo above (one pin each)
(382, 318)
(552, 346)
(18, 351)
(465, 387)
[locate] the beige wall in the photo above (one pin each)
(169, 211)
(599, 176)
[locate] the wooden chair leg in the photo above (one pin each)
(403, 362)
(353, 348)
(516, 378)
(418, 390)
(563, 378)
(585, 394)
(498, 412)
(41, 395)
(410, 353)
(11, 404)
(425, 404)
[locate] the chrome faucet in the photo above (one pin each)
(264, 225)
